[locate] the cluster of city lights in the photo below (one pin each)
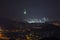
(43, 20)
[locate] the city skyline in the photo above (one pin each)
(14, 9)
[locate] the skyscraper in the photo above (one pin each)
(25, 18)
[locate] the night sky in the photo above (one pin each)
(14, 9)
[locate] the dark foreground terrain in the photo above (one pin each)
(12, 30)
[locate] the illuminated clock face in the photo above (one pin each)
(24, 11)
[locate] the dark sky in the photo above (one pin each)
(13, 9)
